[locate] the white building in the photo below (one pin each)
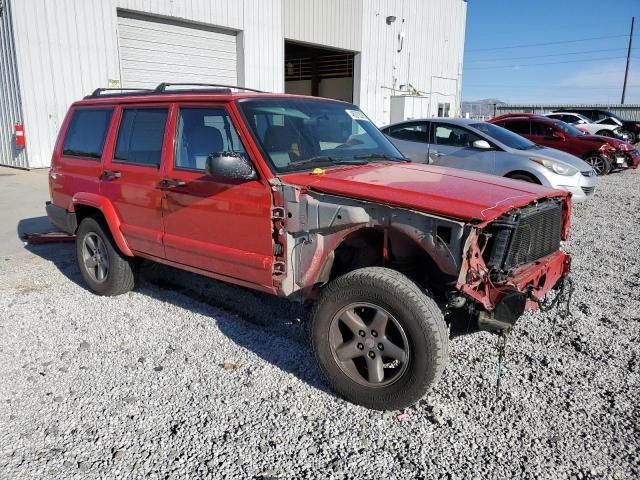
(53, 52)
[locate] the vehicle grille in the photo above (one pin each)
(588, 190)
(524, 235)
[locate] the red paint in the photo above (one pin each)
(21, 141)
(227, 229)
(453, 193)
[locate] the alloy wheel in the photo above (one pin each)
(95, 257)
(598, 164)
(369, 344)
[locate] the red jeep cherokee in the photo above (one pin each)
(602, 153)
(305, 198)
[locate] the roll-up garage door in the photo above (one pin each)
(155, 50)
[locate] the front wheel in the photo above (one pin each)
(599, 163)
(104, 269)
(380, 341)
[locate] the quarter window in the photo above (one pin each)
(141, 135)
(201, 132)
(87, 133)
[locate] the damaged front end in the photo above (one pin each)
(511, 263)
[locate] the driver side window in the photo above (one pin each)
(201, 132)
(453, 136)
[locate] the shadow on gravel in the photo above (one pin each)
(273, 328)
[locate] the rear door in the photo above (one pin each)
(452, 146)
(411, 138)
(133, 171)
(221, 225)
(77, 164)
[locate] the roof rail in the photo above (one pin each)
(161, 88)
(124, 91)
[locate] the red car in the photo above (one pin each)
(305, 198)
(602, 153)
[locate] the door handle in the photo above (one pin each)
(110, 175)
(170, 183)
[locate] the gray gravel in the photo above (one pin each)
(188, 378)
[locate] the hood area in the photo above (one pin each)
(614, 142)
(452, 193)
(568, 158)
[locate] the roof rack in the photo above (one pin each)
(98, 92)
(162, 88)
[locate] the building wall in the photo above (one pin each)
(10, 106)
(430, 57)
(332, 23)
(67, 48)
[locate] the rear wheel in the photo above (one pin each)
(105, 270)
(599, 163)
(380, 341)
(631, 136)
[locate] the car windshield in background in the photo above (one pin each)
(504, 136)
(302, 134)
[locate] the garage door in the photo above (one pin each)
(154, 50)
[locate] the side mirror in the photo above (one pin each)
(481, 145)
(231, 165)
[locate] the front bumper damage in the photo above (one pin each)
(499, 305)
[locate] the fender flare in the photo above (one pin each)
(108, 212)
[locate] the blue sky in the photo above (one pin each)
(589, 69)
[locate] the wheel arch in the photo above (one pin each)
(89, 204)
(525, 173)
(393, 247)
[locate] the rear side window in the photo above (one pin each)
(141, 135)
(87, 133)
(413, 132)
(541, 129)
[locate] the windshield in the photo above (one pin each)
(301, 133)
(504, 136)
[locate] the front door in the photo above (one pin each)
(452, 146)
(132, 174)
(222, 225)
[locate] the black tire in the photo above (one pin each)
(599, 163)
(525, 177)
(120, 273)
(424, 330)
(632, 137)
(605, 133)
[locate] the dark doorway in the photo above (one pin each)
(318, 71)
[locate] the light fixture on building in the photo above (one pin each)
(390, 19)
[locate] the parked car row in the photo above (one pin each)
(533, 148)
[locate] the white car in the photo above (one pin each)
(583, 123)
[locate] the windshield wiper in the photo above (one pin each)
(323, 160)
(380, 156)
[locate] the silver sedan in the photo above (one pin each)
(488, 148)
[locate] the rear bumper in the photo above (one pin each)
(61, 218)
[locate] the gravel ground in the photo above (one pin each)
(189, 378)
